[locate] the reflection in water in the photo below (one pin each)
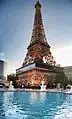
(7, 95)
(2, 112)
(42, 96)
(35, 105)
(33, 97)
(11, 108)
(37, 97)
(58, 99)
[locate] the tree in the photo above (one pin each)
(50, 81)
(62, 79)
(58, 78)
(13, 78)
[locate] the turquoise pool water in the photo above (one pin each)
(35, 105)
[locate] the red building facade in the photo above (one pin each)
(39, 62)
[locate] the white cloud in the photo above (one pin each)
(1, 54)
(13, 65)
(63, 55)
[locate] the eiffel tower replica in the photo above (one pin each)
(39, 61)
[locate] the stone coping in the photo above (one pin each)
(36, 90)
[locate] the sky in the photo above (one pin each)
(16, 24)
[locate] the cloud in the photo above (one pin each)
(1, 54)
(12, 65)
(63, 55)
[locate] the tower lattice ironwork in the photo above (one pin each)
(38, 49)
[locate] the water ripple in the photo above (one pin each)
(32, 105)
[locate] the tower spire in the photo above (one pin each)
(38, 5)
(38, 34)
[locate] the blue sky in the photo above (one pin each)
(16, 22)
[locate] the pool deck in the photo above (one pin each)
(36, 90)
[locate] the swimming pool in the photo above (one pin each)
(35, 105)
